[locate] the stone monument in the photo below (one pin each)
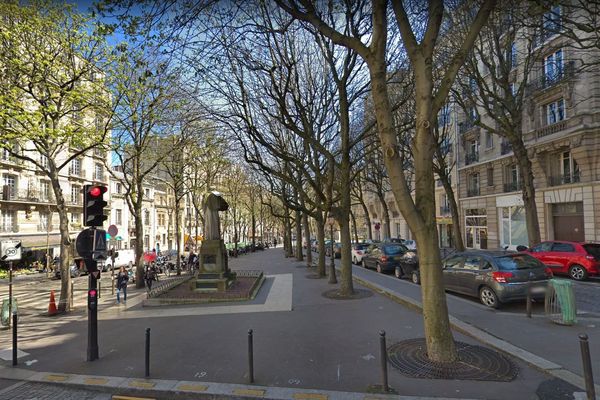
(214, 272)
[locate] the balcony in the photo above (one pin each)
(466, 126)
(557, 180)
(471, 157)
(547, 81)
(77, 172)
(9, 228)
(513, 186)
(472, 191)
(26, 195)
(444, 210)
(551, 129)
(505, 148)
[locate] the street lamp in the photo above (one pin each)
(332, 278)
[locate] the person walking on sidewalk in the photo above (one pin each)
(150, 277)
(122, 280)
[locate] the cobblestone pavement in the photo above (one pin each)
(42, 391)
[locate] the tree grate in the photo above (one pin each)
(475, 363)
(334, 294)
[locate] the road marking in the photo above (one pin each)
(192, 388)
(141, 384)
(56, 378)
(368, 357)
(250, 392)
(310, 396)
(95, 381)
(119, 397)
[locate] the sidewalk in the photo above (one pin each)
(306, 346)
(551, 347)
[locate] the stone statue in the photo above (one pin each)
(213, 203)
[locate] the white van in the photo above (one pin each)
(124, 258)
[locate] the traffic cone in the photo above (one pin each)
(52, 310)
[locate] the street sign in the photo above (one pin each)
(112, 231)
(11, 250)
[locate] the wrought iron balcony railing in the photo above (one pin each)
(471, 157)
(513, 186)
(557, 180)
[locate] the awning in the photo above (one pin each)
(39, 242)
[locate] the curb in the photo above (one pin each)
(535, 361)
(161, 388)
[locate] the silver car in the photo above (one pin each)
(495, 277)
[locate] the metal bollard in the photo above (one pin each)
(383, 351)
(250, 357)
(14, 338)
(99, 288)
(147, 359)
(587, 367)
(528, 299)
(72, 295)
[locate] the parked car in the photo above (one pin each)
(337, 249)
(77, 268)
(358, 251)
(408, 264)
(495, 277)
(383, 257)
(578, 260)
(410, 244)
(124, 258)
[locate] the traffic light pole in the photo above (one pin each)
(92, 347)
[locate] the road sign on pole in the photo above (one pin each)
(11, 250)
(112, 231)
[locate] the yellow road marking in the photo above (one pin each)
(96, 381)
(118, 397)
(56, 378)
(142, 384)
(310, 396)
(193, 388)
(249, 392)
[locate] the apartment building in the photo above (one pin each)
(27, 204)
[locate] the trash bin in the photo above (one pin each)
(560, 304)
(6, 314)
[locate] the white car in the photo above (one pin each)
(410, 244)
(358, 251)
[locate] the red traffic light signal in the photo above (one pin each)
(93, 205)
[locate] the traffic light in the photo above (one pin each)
(93, 205)
(92, 299)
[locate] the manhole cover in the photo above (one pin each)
(475, 363)
(334, 294)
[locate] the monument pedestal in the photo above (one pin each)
(214, 270)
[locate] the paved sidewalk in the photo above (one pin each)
(305, 345)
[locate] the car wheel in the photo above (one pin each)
(578, 272)
(398, 272)
(378, 268)
(488, 297)
(415, 278)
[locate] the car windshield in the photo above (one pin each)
(394, 249)
(361, 246)
(593, 250)
(517, 261)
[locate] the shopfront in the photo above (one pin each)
(476, 231)
(512, 225)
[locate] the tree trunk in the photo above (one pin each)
(298, 218)
(139, 244)
(457, 241)
(440, 343)
(177, 227)
(367, 219)
(66, 252)
(528, 191)
(387, 232)
(306, 227)
(321, 246)
(289, 251)
(353, 217)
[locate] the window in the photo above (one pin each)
(472, 263)
(444, 116)
(44, 190)
(118, 187)
(118, 216)
(513, 55)
(5, 155)
(552, 20)
(513, 229)
(147, 191)
(569, 168)
(563, 247)
(489, 140)
(10, 181)
(76, 167)
(490, 176)
(44, 218)
(513, 88)
(453, 262)
(44, 161)
(98, 172)
(75, 218)
(542, 247)
(161, 219)
(7, 221)
(76, 194)
(553, 66)
(473, 185)
(146, 217)
(472, 114)
(398, 230)
(555, 112)
(517, 261)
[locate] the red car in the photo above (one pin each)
(578, 260)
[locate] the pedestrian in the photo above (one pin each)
(150, 277)
(274, 242)
(192, 259)
(122, 280)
